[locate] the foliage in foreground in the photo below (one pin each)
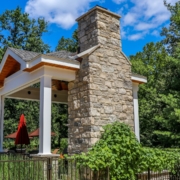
(119, 150)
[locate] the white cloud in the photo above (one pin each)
(144, 26)
(61, 12)
(135, 37)
(145, 16)
(118, 1)
(155, 33)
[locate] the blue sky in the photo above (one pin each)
(141, 20)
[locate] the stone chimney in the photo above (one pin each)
(99, 26)
(102, 90)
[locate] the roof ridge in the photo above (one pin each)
(24, 54)
(23, 50)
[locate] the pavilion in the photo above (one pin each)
(20, 69)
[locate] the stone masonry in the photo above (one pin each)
(102, 91)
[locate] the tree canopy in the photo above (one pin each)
(19, 31)
(68, 44)
(159, 98)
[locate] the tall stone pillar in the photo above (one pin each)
(102, 90)
(45, 116)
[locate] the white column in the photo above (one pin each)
(45, 116)
(1, 122)
(136, 110)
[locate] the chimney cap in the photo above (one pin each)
(97, 7)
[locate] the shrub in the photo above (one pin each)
(119, 150)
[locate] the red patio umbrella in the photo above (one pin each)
(22, 134)
(13, 136)
(35, 133)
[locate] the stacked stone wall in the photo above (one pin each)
(102, 91)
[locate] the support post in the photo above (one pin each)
(1, 123)
(136, 110)
(45, 116)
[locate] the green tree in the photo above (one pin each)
(150, 63)
(68, 44)
(159, 98)
(19, 31)
(172, 33)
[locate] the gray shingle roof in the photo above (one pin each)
(62, 54)
(29, 55)
(25, 55)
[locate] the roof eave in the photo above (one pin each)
(53, 60)
(11, 53)
(136, 78)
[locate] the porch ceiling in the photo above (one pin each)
(32, 93)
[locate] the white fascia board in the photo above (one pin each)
(139, 79)
(54, 60)
(60, 73)
(21, 80)
(15, 56)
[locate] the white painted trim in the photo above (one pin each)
(15, 56)
(45, 116)
(54, 60)
(23, 79)
(38, 59)
(1, 123)
(136, 110)
(139, 79)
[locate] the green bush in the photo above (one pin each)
(63, 144)
(119, 150)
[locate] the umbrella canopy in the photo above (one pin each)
(35, 133)
(22, 134)
(12, 136)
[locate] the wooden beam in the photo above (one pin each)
(32, 93)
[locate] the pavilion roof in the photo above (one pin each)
(24, 55)
(30, 55)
